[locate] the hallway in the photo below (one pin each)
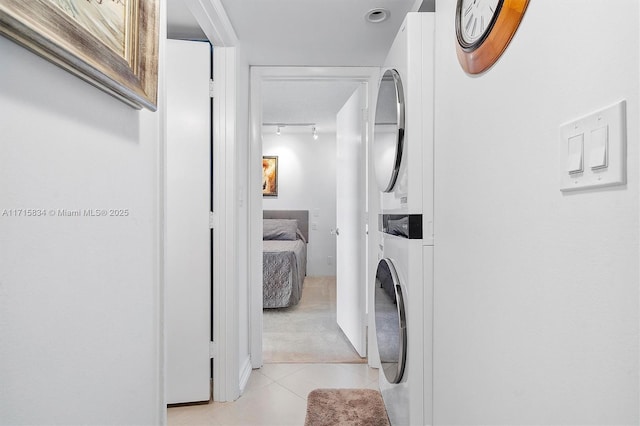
(533, 315)
(276, 395)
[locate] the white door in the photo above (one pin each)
(187, 245)
(350, 205)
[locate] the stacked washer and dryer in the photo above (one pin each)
(403, 160)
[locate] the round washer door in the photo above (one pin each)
(391, 326)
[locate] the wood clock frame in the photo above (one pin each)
(480, 55)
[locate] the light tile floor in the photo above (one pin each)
(276, 394)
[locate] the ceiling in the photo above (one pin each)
(181, 24)
(315, 32)
(304, 101)
(304, 33)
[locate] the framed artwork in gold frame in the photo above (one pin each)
(270, 176)
(112, 44)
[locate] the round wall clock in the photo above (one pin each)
(484, 28)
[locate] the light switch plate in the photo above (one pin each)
(613, 119)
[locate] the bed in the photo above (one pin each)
(284, 256)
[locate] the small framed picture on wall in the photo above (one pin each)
(270, 176)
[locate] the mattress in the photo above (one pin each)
(284, 269)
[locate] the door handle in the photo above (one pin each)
(337, 231)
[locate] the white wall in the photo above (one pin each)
(80, 297)
(307, 181)
(536, 292)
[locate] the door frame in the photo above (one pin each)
(259, 75)
(213, 20)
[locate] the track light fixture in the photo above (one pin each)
(279, 126)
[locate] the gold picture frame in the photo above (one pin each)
(111, 44)
(270, 176)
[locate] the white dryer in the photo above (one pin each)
(403, 161)
(404, 122)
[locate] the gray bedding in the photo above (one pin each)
(285, 266)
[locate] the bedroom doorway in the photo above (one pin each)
(300, 152)
(311, 323)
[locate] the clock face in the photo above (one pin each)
(475, 18)
(484, 28)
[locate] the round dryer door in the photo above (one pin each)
(388, 136)
(391, 328)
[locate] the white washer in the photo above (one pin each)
(399, 329)
(406, 225)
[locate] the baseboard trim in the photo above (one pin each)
(245, 372)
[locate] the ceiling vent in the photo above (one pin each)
(377, 15)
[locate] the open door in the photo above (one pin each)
(188, 248)
(350, 205)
